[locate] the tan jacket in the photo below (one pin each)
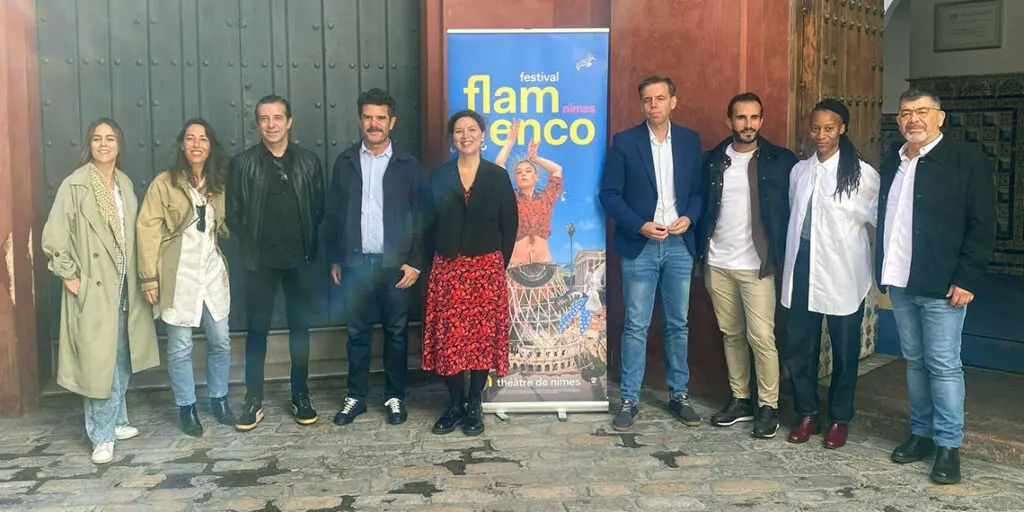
(166, 212)
(78, 242)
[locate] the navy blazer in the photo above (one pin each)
(629, 190)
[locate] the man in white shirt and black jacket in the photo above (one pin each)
(937, 206)
(375, 245)
(743, 243)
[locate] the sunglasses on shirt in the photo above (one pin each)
(201, 214)
(281, 175)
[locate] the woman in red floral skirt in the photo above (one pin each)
(472, 219)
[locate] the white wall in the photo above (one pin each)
(909, 48)
(924, 62)
(896, 55)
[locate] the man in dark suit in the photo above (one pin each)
(376, 251)
(937, 206)
(652, 190)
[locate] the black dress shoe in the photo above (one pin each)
(190, 424)
(451, 420)
(222, 411)
(912, 450)
(946, 469)
(474, 424)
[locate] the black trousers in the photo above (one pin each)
(261, 290)
(803, 349)
(368, 291)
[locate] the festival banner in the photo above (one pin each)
(544, 94)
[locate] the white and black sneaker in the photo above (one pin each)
(349, 410)
(735, 411)
(767, 422)
(395, 409)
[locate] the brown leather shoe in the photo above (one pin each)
(836, 435)
(808, 426)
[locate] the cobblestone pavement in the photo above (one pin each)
(533, 463)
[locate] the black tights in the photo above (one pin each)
(457, 384)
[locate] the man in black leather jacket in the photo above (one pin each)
(275, 203)
(743, 244)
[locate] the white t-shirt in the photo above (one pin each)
(732, 243)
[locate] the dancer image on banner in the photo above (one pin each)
(535, 206)
(552, 305)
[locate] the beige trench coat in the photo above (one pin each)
(78, 242)
(166, 212)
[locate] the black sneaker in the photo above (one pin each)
(396, 412)
(252, 414)
(767, 422)
(303, 410)
(735, 411)
(680, 407)
(352, 407)
(623, 419)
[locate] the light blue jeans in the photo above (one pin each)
(103, 414)
(930, 335)
(218, 359)
(665, 267)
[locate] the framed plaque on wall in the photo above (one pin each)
(970, 25)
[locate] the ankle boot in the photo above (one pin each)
(450, 420)
(474, 424)
(190, 424)
(222, 411)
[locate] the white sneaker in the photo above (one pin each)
(103, 453)
(122, 432)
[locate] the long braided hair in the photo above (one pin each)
(848, 173)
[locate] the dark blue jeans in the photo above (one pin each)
(368, 292)
(803, 349)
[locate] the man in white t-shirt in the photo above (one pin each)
(743, 243)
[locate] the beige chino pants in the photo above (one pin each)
(745, 309)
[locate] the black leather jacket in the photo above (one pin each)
(246, 192)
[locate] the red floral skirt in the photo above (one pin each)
(468, 321)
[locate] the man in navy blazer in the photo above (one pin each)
(652, 190)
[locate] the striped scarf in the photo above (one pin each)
(108, 208)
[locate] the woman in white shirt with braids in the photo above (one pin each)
(827, 273)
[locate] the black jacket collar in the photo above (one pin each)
(765, 149)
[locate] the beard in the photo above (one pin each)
(738, 136)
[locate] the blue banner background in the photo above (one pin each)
(559, 338)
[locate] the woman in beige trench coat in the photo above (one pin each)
(106, 326)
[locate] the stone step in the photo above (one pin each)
(327, 358)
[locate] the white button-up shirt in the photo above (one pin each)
(202, 275)
(840, 259)
(665, 212)
(371, 222)
(899, 220)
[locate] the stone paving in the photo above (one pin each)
(532, 463)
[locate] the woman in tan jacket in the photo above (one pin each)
(106, 327)
(183, 271)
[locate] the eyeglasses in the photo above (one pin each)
(922, 112)
(201, 215)
(281, 175)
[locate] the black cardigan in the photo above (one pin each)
(486, 224)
